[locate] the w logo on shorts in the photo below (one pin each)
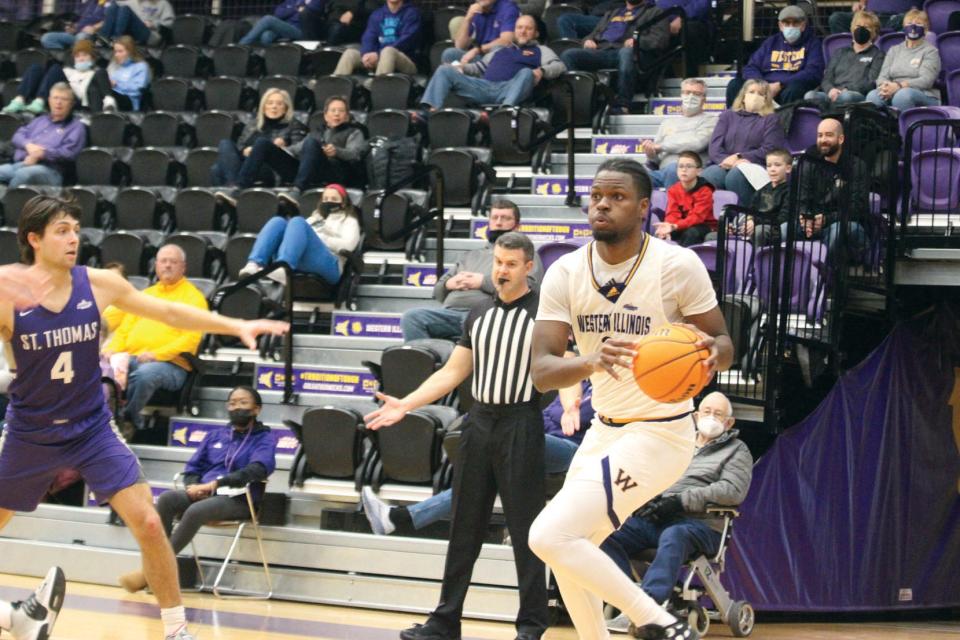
(624, 481)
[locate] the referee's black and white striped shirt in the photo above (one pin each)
(500, 336)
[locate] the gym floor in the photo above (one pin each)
(93, 612)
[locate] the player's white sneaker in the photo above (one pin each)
(183, 634)
(33, 618)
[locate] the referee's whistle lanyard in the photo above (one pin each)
(230, 459)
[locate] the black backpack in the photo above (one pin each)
(391, 161)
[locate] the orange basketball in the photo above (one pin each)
(668, 366)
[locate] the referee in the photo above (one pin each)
(501, 449)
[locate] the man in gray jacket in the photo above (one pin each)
(676, 523)
(467, 284)
(688, 132)
(505, 76)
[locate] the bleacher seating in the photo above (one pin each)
(145, 179)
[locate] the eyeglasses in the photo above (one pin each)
(687, 166)
(719, 415)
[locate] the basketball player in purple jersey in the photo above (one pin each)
(57, 418)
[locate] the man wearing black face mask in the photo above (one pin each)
(852, 71)
(467, 284)
(237, 455)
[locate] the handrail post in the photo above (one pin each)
(288, 339)
(438, 193)
(573, 200)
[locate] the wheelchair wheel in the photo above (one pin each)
(741, 619)
(698, 620)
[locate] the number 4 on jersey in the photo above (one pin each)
(63, 368)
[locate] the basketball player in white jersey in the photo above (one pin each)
(610, 293)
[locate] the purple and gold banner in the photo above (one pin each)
(306, 379)
(366, 325)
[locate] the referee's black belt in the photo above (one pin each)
(506, 407)
(612, 422)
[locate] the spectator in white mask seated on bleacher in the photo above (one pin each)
(37, 79)
(688, 132)
(236, 455)
(264, 147)
(309, 244)
(467, 284)
(910, 70)
(744, 134)
(121, 86)
(852, 71)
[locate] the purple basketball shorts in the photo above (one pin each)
(28, 467)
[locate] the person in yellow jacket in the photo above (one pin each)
(154, 348)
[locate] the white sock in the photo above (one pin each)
(6, 611)
(174, 619)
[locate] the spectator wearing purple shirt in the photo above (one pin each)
(92, 13)
(488, 25)
(46, 144)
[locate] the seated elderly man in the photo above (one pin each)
(690, 131)
(46, 145)
(676, 523)
(504, 76)
(153, 348)
(467, 284)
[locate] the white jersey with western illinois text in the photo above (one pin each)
(663, 284)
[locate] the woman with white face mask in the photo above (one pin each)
(910, 69)
(37, 80)
(744, 134)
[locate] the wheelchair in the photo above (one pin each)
(701, 581)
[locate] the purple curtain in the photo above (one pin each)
(857, 508)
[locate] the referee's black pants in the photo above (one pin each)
(501, 451)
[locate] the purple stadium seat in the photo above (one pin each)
(949, 45)
(953, 88)
(805, 289)
(658, 209)
(927, 137)
(552, 251)
(935, 177)
(722, 198)
(835, 42)
(738, 263)
(803, 129)
(889, 40)
(939, 13)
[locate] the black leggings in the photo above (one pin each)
(194, 515)
(100, 88)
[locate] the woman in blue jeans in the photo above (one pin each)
(312, 244)
(563, 435)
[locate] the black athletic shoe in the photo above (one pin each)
(679, 630)
(33, 618)
(423, 632)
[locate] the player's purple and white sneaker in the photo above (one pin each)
(33, 618)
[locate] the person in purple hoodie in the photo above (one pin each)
(745, 133)
(47, 144)
(389, 43)
(791, 61)
(234, 456)
(283, 24)
(91, 16)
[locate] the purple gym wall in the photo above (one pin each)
(857, 507)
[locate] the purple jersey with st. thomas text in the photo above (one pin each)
(56, 393)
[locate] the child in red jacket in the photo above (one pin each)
(689, 214)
